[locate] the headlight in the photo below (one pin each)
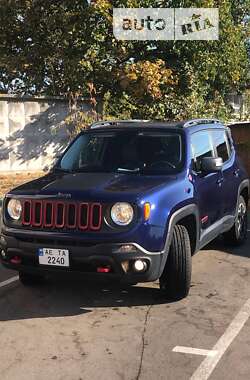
(14, 209)
(122, 213)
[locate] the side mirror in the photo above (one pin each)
(211, 164)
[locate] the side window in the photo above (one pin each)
(202, 146)
(230, 141)
(221, 144)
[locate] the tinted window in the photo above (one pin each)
(220, 144)
(201, 147)
(153, 153)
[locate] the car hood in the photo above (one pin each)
(98, 186)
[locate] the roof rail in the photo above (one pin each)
(106, 123)
(193, 122)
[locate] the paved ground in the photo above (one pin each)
(71, 330)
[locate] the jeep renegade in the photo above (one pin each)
(130, 200)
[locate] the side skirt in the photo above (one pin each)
(222, 225)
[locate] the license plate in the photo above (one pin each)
(54, 257)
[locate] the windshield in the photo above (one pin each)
(125, 152)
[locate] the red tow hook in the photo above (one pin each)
(16, 260)
(103, 269)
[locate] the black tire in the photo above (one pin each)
(237, 235)
(176, 277)
(28, 279)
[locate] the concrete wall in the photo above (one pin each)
(32, 132)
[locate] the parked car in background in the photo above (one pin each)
(129, 200)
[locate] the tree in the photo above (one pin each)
(67, 48)
(42, 44)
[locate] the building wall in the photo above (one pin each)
(32, 132)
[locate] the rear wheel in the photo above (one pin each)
(29, 279)
(176, 277)
(237, 235)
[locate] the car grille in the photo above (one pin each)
(61, 215)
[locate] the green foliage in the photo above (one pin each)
(67, 48)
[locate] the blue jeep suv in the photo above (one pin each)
(130, 200)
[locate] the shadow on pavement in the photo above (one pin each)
(60, 298)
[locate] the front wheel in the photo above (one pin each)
(237, 235)
(176, 277)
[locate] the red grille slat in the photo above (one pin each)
(69, 206)
(99, 220)
(56, 208)
(81, 207)
(35, 205)
(62, 215)
(46, 204)
(24, 221)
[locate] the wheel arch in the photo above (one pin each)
(190, 223)
(188, 216)
(244, 191)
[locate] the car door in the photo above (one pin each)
(224, 149)
(207, 187)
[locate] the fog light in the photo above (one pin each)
(140, 266)
(3, 254)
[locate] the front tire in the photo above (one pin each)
(176, 277)
(28, 279)
(237, 235)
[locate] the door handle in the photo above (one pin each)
(219, 181)
(236, 172)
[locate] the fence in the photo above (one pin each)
(241, 135)
(32, 132)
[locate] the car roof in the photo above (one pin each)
(193, 124)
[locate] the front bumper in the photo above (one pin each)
(85, 258)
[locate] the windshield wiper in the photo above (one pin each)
(123, 170)
(58, 169)
(90, 168)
